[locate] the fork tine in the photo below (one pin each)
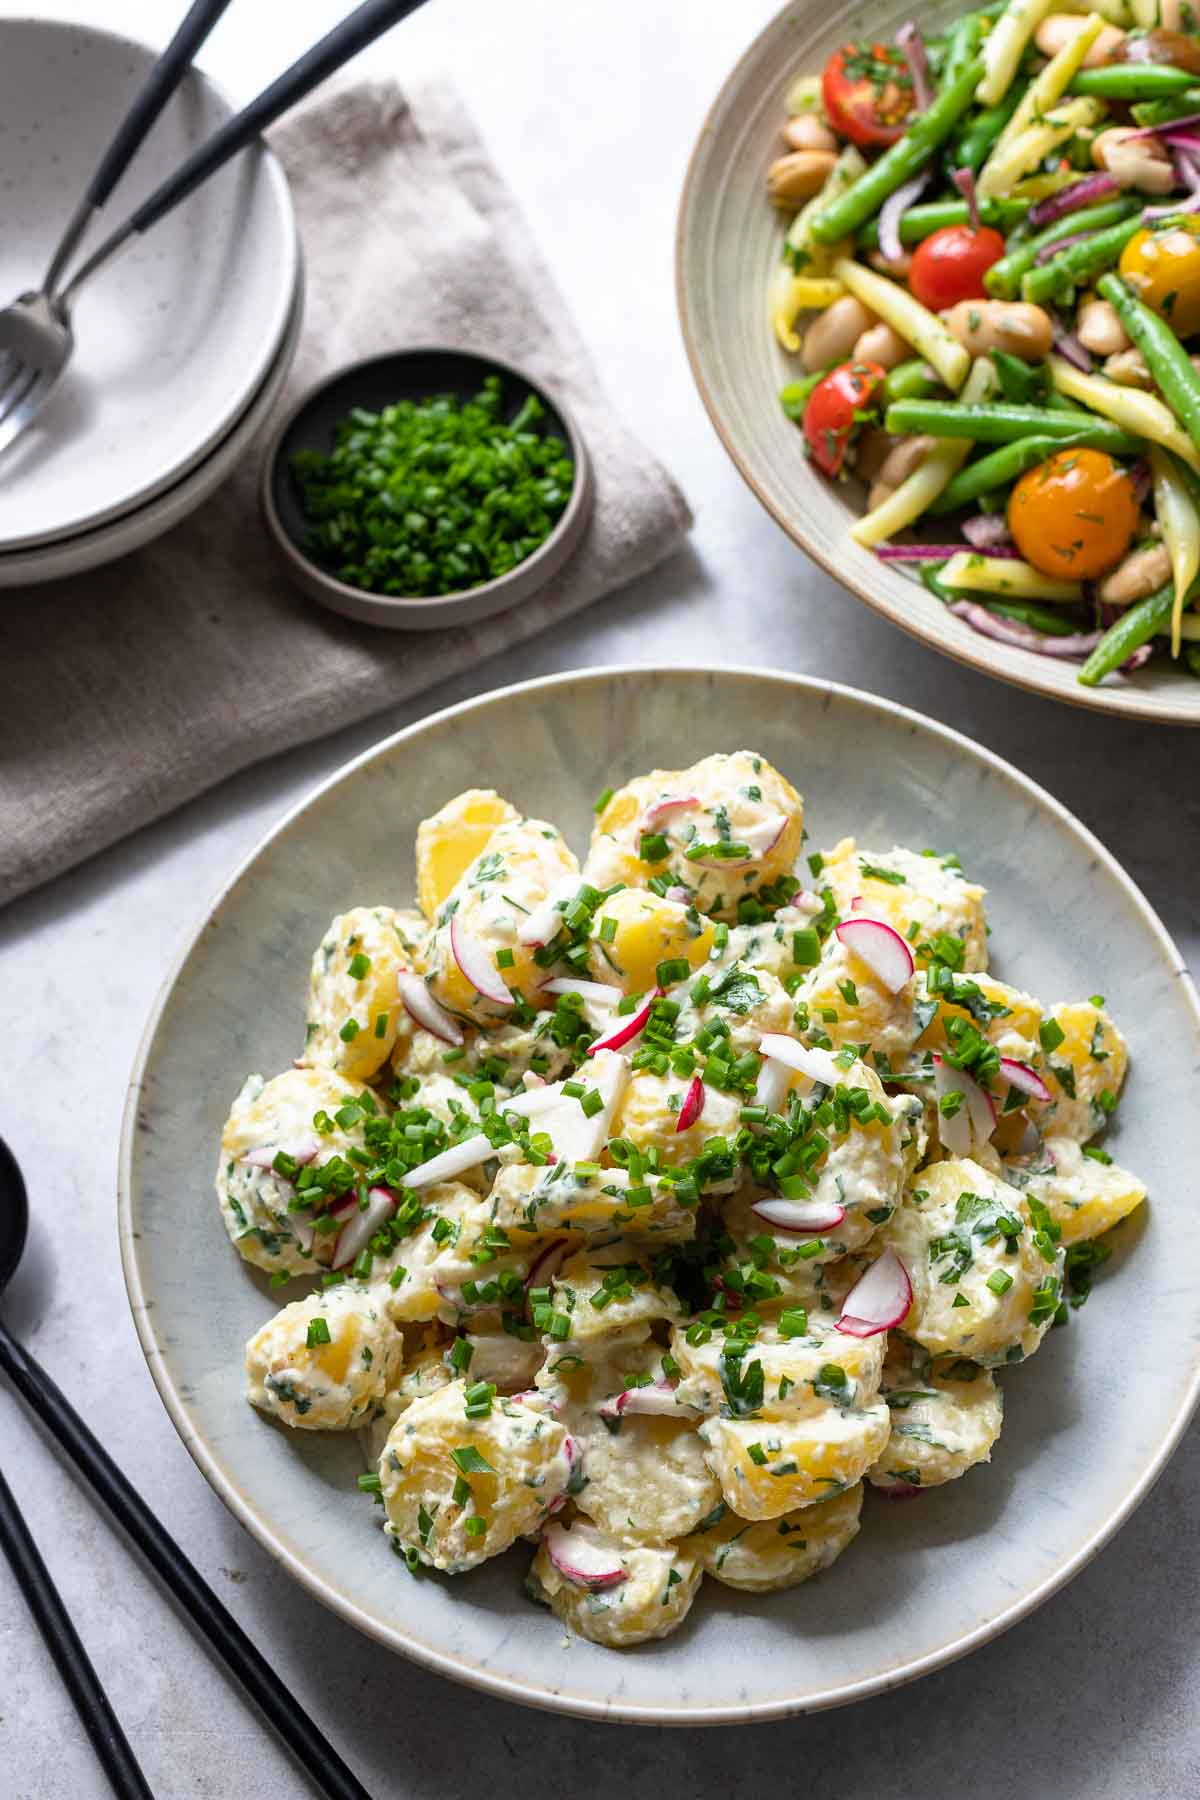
(25, 408)
(19, 384)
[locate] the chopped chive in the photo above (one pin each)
(359, 966)
(318, 1333)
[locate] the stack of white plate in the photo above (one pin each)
(181, 345)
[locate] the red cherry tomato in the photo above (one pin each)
(950, 265)
(868, 94)
(834, 409)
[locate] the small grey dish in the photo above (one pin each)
(415, 374)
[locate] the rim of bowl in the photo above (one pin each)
(529, 575)
(1128, 705)
(461, 1668)
(286, 298)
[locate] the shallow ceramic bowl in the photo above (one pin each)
(177, 335)
(416, 373)
(728, 243)
(129, 531)
(1089, 1423)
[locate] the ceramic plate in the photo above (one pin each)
(173, 339)
(728, 243)
(1089, 1423)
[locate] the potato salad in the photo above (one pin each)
(651, 1209)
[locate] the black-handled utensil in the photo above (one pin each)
(316, 1755)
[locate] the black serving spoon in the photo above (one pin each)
(316, 1755)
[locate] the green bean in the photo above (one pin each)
(794, 397)
(1004, 277)
(1163, 112)
(922, 221)
(1132, 81)
(999, 468)
(1165, 356)
(906, 158)
(1191, 657)
(929, 573)
(1077, 265)
(1053, 624)
(980, 133)
(962, 46)
(913, 380)
(1133, 629)
(995, 422)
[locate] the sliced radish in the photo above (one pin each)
(421, 1005)
(898, 1490)
(808, 904)
(657, 1400)
(668, 804)
(772, 1084)
(449, 1163)
(574, 1135)
(800, 1216)
(682, 896)
(818, 1065)
(882, 949)
(1030, 1142)
(600, 992)
(759, 840)
(476, 964)
(879, 1300)
(533, 1101)
(304, 1150)
(362, 1225)
(626, 1026)
(584, 1558)
(453, 1296)
(302, 1228)
(857, 903)
(975, 1120)
(545, 921)
(546, 1264)
(693, 1105)
(1020, 1075)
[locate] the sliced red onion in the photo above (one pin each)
(1050, 250)
(893, 210)
(1020, 636)
(916, 552)
(668, 804)
(912, 45)
(879, 1300)
(818, 1065)
(601, 993)
(1141, 655)
(656, 1400)
(693, 1105)
(975, 1120)
(586, 1560)
(545, 921)
(801, 1217)
(420, 1004)
(987, 531)
(1021, 1076)
(1069, 346)
(964, 181)
(1069, 199)
(304, 1150)
(772, 1084)
(1140, 476)
(1190, 205)
(363, 1223)
(626, 1026)
(881, 947)
(1172, 126)
(449, 1163)
(476, 964)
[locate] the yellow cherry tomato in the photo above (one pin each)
(1074, 515)
(1163, 269)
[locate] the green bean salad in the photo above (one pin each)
(991, 278)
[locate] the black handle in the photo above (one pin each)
(74, 1665)
(317, 1756)
(161, 83)
(363, 26)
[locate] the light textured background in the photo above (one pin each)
(591, 109)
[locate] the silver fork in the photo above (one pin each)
(36, 339)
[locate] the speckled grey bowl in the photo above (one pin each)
(1090, 1423)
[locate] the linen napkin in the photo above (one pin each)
(125, 692)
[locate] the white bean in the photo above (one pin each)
(833, 334)
(806, 132)
(799, 175)
(1010, 325)
(1057, 30)
(1099, 328)
(1133, 161)
(882, 345)
(1143, 572)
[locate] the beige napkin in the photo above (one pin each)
(126, 692)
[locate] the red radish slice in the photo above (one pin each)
(898, 1490)
(772, 1084)
(302, 1228)
(533, 1102)
(800, 1216)
(808, 904)
(546, 1265)
(598, 991)
(1030, 1142)
(759, 840)
(586, 1560)
(681, 895)
(882, 949)
(626, 1026)
(421, 1005)
(1020, 1075)
(364, 1222)
(574, 1135)
(668, 804)
(818, 1065)
(879, 1300)
(304, 1150)
(693, 1105)
(545, 921)
(476, 964)
(657, 1400)
(453, 1296)
(975, 1120)
(449, 1163)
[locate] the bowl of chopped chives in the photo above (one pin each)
(426, 487)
